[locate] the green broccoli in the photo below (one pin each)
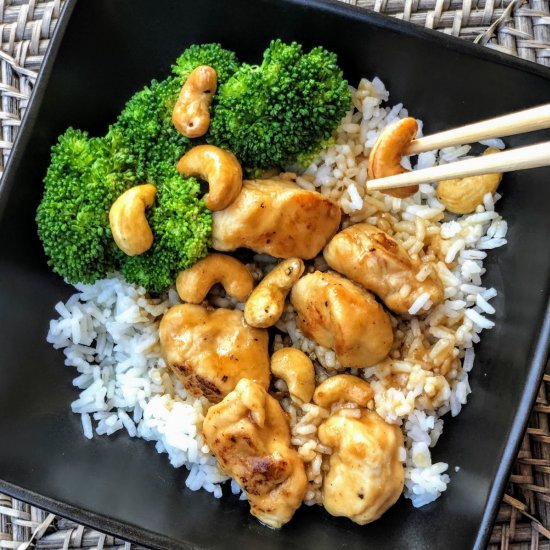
(282, 110)
(181, 225)
(146, 126)
(225, 62)
(146, 120)
(85, 176)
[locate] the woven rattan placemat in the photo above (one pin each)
(516, 27)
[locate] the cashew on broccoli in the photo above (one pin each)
(129, 225)
(191, 114)
(220, 168)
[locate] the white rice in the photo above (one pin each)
(109, 331)
(419, 303)
(124, 382)
(497, 143)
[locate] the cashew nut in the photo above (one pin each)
(343, 388)
(265, 305)
(461, 196)
(129, 225)
(193, 284)
(191, 115)
(296, 369)
(385, 157)
(219, 168)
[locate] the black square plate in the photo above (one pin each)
(108, 49)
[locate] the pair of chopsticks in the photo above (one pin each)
(532, 156)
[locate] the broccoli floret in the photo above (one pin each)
(287, 107)
(84, 178)
(223, 61)
(146, 126)
(181, 226)
(146, 120)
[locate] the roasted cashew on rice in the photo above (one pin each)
(129, 225)
(385, 157)
(194, 283)
(343, 388)
(265, 305)
(191, 114)
(220, 168)
(296, 369)
(462, 196)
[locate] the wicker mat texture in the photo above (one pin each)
(516, 27)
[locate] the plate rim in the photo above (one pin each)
(537, 360)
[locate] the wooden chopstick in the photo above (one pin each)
(532, 156)
(537, 118)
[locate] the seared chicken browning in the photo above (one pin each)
(277, 218)
(343, 316)
(365, 474)
(249, 434)
(370, 257)
(210, 350)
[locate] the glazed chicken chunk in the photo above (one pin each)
(277, 218)
(370, 257)
(250, 436)
(338, 314)
(210, 350)
(365, 475)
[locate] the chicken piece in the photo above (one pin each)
(365, 475)
(277, 218)
(343, 316)
(210, 350)
(249, 434)
(370, 257)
